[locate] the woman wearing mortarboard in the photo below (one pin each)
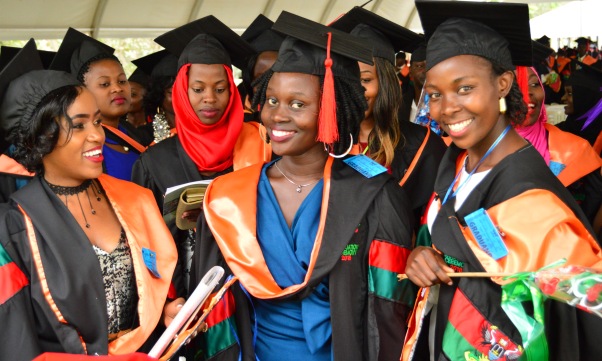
(95, 66)
(316, 244)
(85, 258)
(211, 137)
(162, 68)
(570, 157)
(411, 152)
(498, 206)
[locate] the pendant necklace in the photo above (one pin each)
(70, 191)
(299, 186)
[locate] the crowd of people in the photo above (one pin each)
(349, 189)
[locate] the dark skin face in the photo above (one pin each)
(568, 98)
(290, 115)
(465, 97)
(581, 49)
(536, 96)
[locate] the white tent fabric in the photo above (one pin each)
(49, 19)
(572, 20)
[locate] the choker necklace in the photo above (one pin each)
(70, 191)
(299, 186)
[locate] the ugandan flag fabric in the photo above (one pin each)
(12, 279)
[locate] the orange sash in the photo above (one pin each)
(130, 202)
(139, 147)
(11, 166)
(574, 152)
(230, 209)
(250, 148)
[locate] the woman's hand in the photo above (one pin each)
(192, 215)
(426, 267)
(171, 309)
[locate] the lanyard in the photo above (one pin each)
(491, 148)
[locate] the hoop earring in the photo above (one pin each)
(503, 107)
(266, 137)
(344, 154)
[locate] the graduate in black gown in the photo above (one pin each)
(411, 152)
(498, 206)
(316, 244)
(95, 66)
(85, 260)
(211, 137)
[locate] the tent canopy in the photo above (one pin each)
(571, 20)
(43, 19)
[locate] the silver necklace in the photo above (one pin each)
(299, 186)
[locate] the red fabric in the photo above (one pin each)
(209, 146)
(51, 356)
(13, 281)
(388, 256)
(328, 131)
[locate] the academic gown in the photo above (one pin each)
(415, 164)
(540, 223)
(57, 300)
(167, 164)
(10, 173)
(577, 166)
(361, 245)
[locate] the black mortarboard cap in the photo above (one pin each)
(139, 76)
(387, 38)
(420, 53)
(8, 52)
(160, 63)
(498, 32)
(540, 52)
(76, 50)
(585, 76)
(297, 56)
(23, 84)
(582, 40)
(261, 36)
(545, 40)
(206, 41)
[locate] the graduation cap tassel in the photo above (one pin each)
(522, 78)
(328, 132)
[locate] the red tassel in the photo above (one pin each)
(328, 132)
(522, 79)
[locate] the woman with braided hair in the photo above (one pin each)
(315, 244)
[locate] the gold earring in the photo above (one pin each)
(503, 105)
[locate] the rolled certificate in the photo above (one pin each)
(196, 299)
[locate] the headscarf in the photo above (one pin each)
(535, 133)
(210, 147)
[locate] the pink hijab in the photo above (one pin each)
(536, 133)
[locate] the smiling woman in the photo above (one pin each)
(497, 208)
(74, 235)
(319, 265)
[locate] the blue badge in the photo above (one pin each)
(486, 234)
(366, 166)
(556, 167)
(150, 260)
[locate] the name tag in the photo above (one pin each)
(365, 166)
(486, 234)
(150, 260)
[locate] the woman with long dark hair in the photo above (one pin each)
(411, 152)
